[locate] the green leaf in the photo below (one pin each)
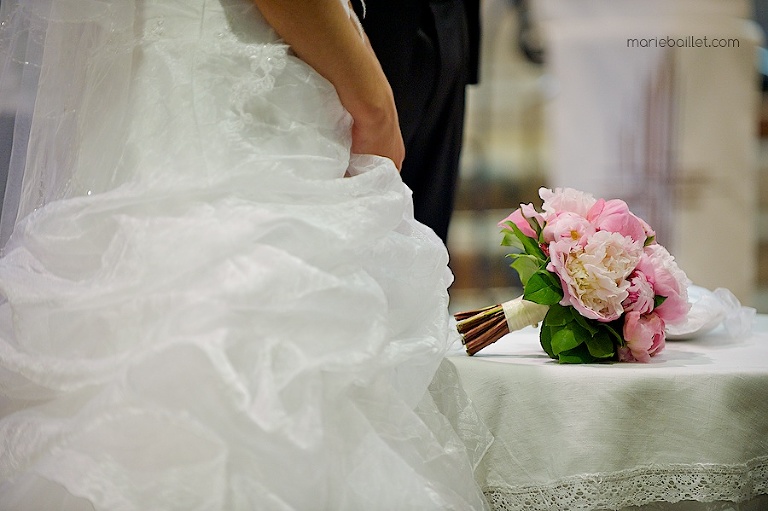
(558, 316)
(511, 240)
(542, 287)
(590, 325)
(525, 265)
(535, 226)
(658, 300)
(601, 345)
(545, 338)
(530, 245)
(571, 338)
(565, 339)
(615, 328)
(578, 355)
(649, 240)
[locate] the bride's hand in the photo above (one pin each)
(376, 131)
(381, 142)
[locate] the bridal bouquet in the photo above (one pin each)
(593, 276)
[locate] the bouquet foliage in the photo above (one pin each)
(593, 276)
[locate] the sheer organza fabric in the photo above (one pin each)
(209, 304)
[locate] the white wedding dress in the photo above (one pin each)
(209, 305)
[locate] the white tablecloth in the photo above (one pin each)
(690, 426)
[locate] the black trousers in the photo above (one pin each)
(425, 50)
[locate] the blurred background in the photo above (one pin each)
(680, 133)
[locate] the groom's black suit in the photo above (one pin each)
(429, 50)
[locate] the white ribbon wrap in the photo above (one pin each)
(521, 313)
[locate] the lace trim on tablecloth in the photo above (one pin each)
(635, 487)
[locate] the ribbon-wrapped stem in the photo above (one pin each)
(482, 327)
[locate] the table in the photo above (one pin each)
(687, 431)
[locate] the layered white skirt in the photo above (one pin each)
(210, 304)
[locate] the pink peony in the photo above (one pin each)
(649, 232)
(530, 212)
(641, 294)
(565, 199)
(644, 335)
(667, 280)
(594, 276)
(519, 220)
(567, 225)
(614, 216)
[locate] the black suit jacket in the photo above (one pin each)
(395, 27)
(429, 50)
(473, 25)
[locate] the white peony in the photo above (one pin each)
(566, 199)
(594, 276)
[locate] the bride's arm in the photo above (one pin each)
(322, 34)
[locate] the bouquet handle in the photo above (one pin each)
(521, 313)
(481, 328)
